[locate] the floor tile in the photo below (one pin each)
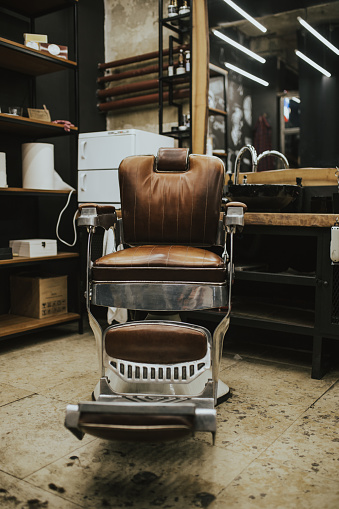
(308, 445)
(183, 474)
(278, 382)
(248, 425)
(43, 366)
(33, 435)
(74, 389)
(20, 494)
(267, 485)
(8, 394)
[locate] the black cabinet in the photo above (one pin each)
(286, 282)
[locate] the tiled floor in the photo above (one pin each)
(277, 443)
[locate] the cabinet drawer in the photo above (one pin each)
(99, 186)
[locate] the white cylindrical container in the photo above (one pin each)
(37, 165)
(334, 245)
(3, 175)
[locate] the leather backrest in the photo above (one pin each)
(176, 203)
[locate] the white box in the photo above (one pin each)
(100, 154)
(33, 247)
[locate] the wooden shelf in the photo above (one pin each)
(178, 134)
(35, 7)
(20, 58)
(22, 126)
(275, 277)
(16, 260)
(22, 191)
(266, 316)
(15, 324)
(216, 111)
(270, 316)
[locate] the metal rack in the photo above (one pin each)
(179, 86)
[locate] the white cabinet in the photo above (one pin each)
(99, 157)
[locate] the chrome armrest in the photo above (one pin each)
(91, 214)
(234, 217)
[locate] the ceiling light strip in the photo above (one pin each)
(239, 46)
(247, 74)
(245, 15)
(318, 35)
(312, 63)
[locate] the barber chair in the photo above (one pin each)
(159, 375)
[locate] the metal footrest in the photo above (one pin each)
(151, 422)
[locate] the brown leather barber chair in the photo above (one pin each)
(159, 376)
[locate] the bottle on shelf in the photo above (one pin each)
(172, 8)
(181, 68)
(187, 61)
(170, 69)
(184, 8)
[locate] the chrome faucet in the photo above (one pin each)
(276, 154)
(254, 156)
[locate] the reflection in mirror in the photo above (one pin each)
(308, 134)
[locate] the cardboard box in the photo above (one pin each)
(35, 38)
(38, 297)
(33, 247)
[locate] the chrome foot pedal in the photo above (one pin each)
(148, 422)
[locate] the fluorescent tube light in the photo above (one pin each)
(247, 74)
(245, 15)
(317, 35)
(239, 46)
(312, 63)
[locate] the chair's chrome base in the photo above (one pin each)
(157, 296)
(148, 411)
(118, 386)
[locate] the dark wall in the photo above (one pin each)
(319, 103)
(91, 52)
(264, 100)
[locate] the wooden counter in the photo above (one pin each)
(283, 219)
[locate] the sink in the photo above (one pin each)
(264, 197)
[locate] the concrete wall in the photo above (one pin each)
(131, 28)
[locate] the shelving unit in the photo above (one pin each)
(181, 26)
(24, 204)
(315, 313)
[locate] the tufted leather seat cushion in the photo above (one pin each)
(160, 263)
(161, 343)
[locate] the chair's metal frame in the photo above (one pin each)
(191, 388)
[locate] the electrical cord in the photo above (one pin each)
(74, 218)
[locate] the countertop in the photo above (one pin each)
(284, 219)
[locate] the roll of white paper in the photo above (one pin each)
(3, 175)
(38, 165)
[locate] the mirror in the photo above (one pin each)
(308, 131)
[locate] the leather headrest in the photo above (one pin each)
(172, 159)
